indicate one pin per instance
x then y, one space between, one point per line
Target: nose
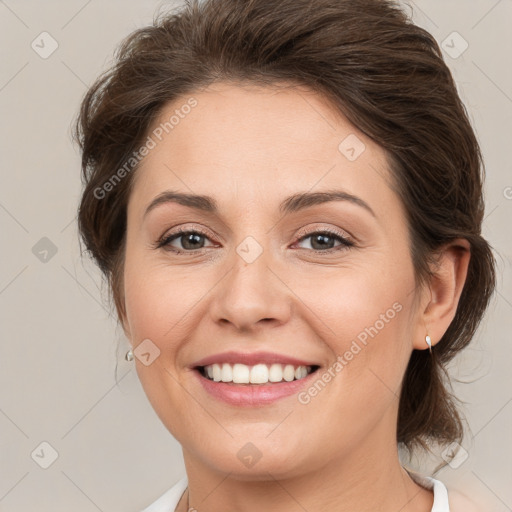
251 295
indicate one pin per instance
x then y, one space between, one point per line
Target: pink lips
250 395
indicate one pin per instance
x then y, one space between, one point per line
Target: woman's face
328 284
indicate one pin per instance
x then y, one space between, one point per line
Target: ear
441 298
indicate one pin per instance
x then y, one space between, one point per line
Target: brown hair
385 74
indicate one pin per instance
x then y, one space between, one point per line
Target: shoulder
461 503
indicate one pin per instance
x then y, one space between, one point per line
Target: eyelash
167 239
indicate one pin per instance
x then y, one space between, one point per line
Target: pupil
189 239
322 239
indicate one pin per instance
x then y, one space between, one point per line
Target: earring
129 355
429 342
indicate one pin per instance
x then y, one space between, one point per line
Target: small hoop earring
429 342
129 355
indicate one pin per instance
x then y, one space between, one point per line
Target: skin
250 148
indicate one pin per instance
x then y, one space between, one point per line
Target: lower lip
252 394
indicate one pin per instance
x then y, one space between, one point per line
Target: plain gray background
58 384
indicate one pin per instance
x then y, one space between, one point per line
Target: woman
286 199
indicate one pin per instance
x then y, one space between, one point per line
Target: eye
322 241
190 240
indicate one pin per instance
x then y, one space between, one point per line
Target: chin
249 461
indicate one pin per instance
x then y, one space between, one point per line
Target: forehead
259 144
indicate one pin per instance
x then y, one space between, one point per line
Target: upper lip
251 359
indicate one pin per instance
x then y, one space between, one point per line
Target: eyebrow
294 203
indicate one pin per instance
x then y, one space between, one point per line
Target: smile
239 373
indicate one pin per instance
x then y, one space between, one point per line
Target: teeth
216 373
257 374
226 374
300 372
275 373
241 374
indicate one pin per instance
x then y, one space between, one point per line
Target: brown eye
324 241
189 241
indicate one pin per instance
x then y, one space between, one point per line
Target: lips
273 379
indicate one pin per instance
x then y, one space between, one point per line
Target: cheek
355 304
158 300
363 316
159 305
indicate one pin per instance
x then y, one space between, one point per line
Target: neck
364 480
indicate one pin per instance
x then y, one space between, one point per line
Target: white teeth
226 374
289 373
216 372
241 374
300 372
257 374
275 373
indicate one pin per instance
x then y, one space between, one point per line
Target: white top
170 499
